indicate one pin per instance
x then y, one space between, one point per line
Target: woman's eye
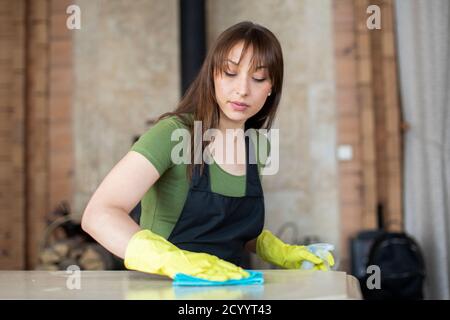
234 74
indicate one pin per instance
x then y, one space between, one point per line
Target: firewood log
91 259
65 263
49 256
61 248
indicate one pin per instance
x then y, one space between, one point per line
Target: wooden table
104 285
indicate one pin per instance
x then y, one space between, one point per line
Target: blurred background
364 119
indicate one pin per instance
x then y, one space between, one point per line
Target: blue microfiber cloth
181 279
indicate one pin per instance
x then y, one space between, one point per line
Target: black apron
217 224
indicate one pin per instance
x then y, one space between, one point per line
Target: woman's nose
242 87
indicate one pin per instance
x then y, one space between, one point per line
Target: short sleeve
156 144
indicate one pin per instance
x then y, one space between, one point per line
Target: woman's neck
225 123
233 142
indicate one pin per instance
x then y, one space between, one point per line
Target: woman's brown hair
200 101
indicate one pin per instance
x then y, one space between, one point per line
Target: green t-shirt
162 204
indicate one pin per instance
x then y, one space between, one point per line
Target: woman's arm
106 217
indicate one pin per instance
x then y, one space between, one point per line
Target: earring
269 93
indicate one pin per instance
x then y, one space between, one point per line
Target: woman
199 218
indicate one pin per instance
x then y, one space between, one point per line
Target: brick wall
36 157
369 120
12 126
61 157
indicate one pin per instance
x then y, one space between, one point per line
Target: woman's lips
238 106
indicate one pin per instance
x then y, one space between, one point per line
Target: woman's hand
271 249
151 253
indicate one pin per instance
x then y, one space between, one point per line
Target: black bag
402 268
360 249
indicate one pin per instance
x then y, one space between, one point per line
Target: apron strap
253 183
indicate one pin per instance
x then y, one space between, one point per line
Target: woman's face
240 91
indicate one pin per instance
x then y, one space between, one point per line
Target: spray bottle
321 250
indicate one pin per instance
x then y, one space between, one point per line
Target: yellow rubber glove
271 249
151 253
